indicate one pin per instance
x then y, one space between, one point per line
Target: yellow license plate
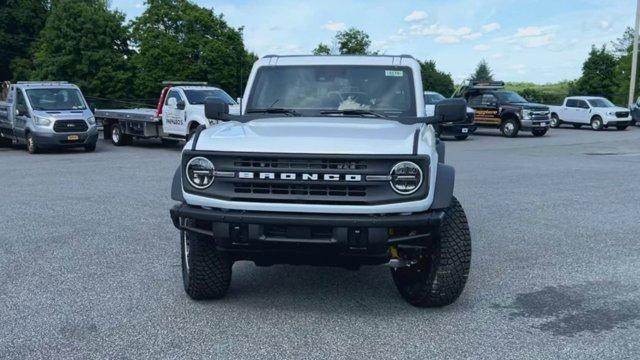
72 137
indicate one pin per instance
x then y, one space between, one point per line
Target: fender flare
445 181
176 186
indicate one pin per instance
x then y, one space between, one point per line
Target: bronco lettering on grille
303 176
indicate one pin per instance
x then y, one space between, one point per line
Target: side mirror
451 111
216 109
181 105
22 112
92 107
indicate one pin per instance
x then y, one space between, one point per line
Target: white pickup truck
179 112
597 112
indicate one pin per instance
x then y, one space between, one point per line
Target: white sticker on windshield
397 73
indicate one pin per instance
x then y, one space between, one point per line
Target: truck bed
141 114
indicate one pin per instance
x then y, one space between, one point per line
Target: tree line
87 43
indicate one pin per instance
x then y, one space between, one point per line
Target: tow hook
396 262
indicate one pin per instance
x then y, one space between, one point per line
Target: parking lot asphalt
90 264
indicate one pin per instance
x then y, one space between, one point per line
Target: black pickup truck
506 110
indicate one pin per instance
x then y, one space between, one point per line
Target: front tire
441 271
555 121
539 132
206 272
32 146
596 123
510 128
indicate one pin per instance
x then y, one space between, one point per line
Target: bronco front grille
306 179
65 126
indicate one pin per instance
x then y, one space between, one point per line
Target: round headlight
406 178
200 172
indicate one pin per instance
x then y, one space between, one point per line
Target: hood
64 114
312 135
531 106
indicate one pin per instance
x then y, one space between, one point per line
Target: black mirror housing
451 111
216 109
181 105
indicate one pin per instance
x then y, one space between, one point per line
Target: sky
534 41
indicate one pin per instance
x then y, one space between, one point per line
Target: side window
21 102
173 94
475 100
571 103
582 104
489 100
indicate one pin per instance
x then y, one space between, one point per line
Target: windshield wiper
354 112
274 111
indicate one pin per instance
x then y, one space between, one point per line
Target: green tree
598 74
353 42
623 49
434 79
20 24
322 49
86 43
482 72
178 40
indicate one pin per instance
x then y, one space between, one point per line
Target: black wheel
622 127
440 273
206 272
596 123
118 138
32 146
462 137
555 121
510 127
169 142
539 132
90 147
577 126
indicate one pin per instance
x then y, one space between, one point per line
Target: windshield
197 97
510 97
386 90
432 98
600 102
56 99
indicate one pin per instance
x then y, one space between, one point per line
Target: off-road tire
118 138
507 131
539 132
577 126
596 123
622 127
555 121
440 274
462 137
32 145
208 273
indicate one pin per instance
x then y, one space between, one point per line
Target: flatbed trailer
139 123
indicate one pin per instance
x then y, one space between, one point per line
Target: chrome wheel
596 124
115 134
555 122
508 128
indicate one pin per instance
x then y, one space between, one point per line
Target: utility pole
634 59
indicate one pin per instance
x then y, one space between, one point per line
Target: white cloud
531 37
533 31
416 16
334 26
447 39
604 25
444 34
482 47
472 36
537 41
491 27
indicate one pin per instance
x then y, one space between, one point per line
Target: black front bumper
61 140
315 239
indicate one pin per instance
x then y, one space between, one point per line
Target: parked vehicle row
179 112
47 115
596 112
